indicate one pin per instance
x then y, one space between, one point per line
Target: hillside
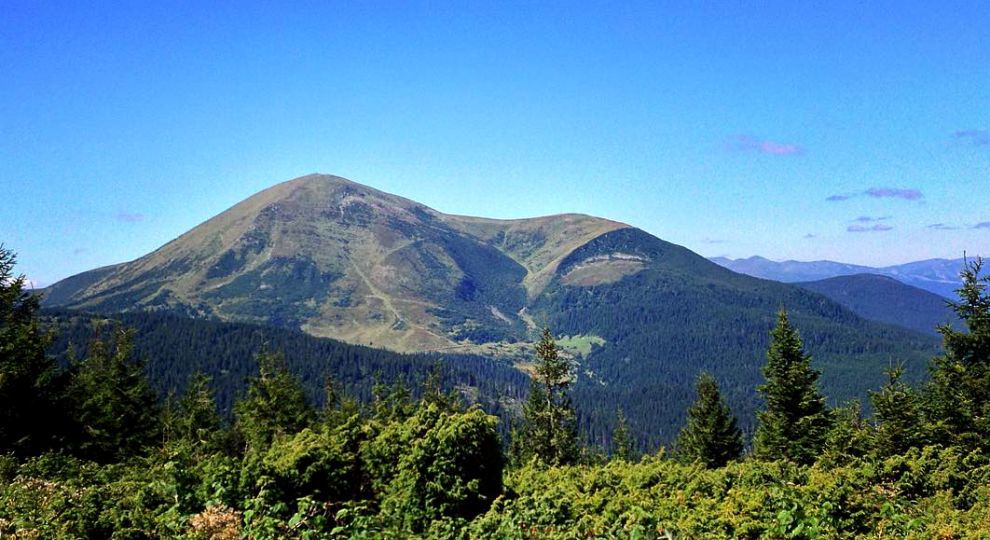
174 348
342 260
680 314
337 259
939 276
884 299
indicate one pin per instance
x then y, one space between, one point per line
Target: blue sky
853 131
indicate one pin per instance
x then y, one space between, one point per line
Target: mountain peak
340 259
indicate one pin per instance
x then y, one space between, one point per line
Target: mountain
642 316
884 299
342 260
790 271
939 276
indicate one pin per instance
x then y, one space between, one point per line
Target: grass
579 344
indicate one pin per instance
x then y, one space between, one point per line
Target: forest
89 449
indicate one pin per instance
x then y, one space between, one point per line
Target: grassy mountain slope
338 259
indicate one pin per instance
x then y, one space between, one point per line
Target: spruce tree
622 444
958 394
27 373
115 411
711 435
195 418
275 404
897 408
550 423
795 422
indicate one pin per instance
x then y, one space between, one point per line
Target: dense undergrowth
301 490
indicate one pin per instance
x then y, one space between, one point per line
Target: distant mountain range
940 276
642 316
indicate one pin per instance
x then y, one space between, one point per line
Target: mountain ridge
939 276
885 299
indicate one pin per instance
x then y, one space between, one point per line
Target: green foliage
579 345
795 422
681 315
116 414
177 348
900 424
884 299
194 419
958 394
849 437
322 464
711 435
392 402
429 468
447 465
549 429
622 444
275 404
658 498
28 390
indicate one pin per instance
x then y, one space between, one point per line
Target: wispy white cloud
894 193
749 143
982 225
877 227
943 227
976 137
907 194
129 217
869 219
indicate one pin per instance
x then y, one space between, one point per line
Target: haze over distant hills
940 276
642 316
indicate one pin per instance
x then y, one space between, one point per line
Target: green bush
437 464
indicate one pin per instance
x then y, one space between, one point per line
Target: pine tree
795 422
275 403
27 374
550 423
622 444
958 394
711 435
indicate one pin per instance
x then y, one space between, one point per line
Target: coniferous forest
93 444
